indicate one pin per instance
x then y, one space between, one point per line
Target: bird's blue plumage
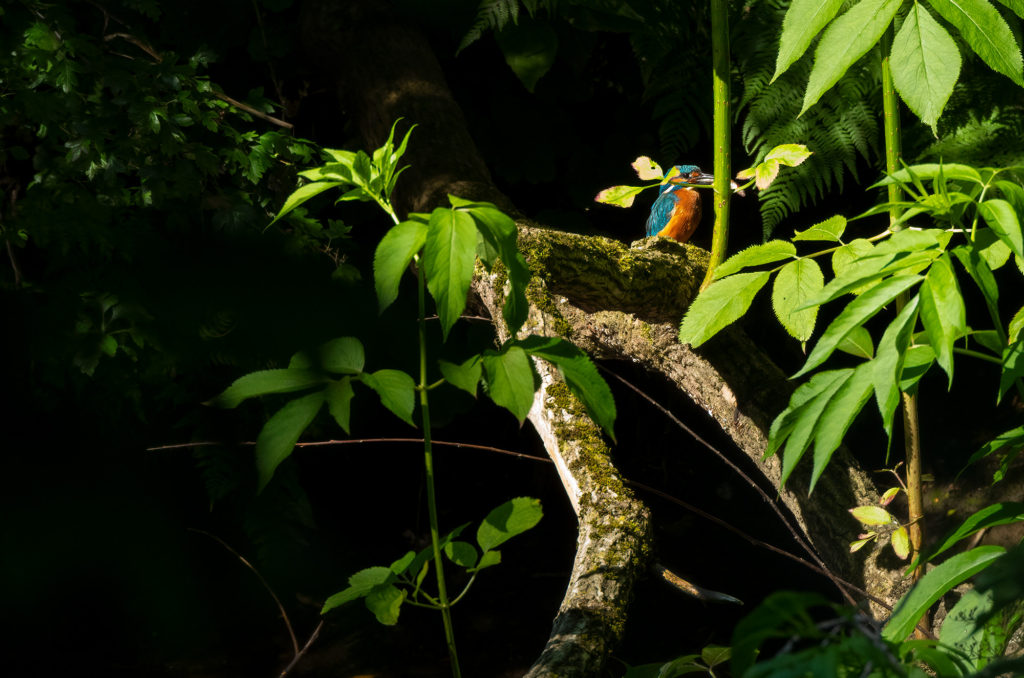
668 203
661 210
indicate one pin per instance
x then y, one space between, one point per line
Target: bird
676 212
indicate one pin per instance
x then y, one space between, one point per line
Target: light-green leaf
933 585
1016 325
942 312
756 255
1002 218
723 302
509 380
620 196
845 41
805 419
888 362
804 19
465 376
279 435
264 382
304 193
838 415
394 252
796 283
461 553
858 342
448 258
987 33
925 65
396 390
385 602
856 313
580 376
831 230
872 515
508 520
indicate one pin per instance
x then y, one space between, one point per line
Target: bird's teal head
689 175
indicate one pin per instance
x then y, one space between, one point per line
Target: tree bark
610 300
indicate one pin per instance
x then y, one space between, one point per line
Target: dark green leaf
396 249
461 553
1013 367
279 435
942 312
990 516
508 520
339 400
465 376
396 390
343 355
1011 442
888 362
448 257
267 381
529 48
509 380
722 303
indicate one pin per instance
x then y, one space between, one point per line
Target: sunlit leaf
267 381
391 259
925 65
396 390
448 257
796 283
509 380
722 303
857 342
465 376
987 33
803 21
942 312
508 520
831 230
900 541
620 196
889 360
647 169
756 255
1002 218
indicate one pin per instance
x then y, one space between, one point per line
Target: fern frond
491 15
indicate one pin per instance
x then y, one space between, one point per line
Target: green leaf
620 196
981 273
797 282
782 615
916 363
461 553
801 421
508 520
831 230
403 563
931 171
488 559
335 171
785 422
856 313
933 585
343 355
942 312
279 435
339 401
993 515
769 252
385 603
713 655
509 380
1013 367
925 65
848 254
723 302
900 541
529 48
1016 325
1002 218
980 643
304 193
396 390
872 515
465 376
837 416
987 33
264 382
804 19
845 41
789 155
888 362
580 376
858 342
448 258
391 260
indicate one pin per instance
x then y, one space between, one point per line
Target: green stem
428 460
978 354
911 425
722 134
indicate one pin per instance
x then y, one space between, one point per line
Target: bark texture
609 299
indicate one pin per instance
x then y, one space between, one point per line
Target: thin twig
249 109
284 615
302 652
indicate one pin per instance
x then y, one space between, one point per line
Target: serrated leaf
845 41
889 360
858 342
304 193
391 259
837 416
933 585
872 515
509 380
783 425
722 303
508 520
925 65
581 376
339 401
264 382
981 273
900 541
986 32
831 230
799 429
1000 216
789 155
396 389
448 257
756 255
278 437
647 169
343 355
942 312
620 196
465 376
856 313
979 642
850 253
803 21
765 174
795 283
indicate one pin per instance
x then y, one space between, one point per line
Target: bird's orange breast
685 217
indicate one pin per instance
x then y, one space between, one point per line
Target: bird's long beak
704 179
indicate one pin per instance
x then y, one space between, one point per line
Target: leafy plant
444 247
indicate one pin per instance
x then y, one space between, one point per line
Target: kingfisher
676 212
